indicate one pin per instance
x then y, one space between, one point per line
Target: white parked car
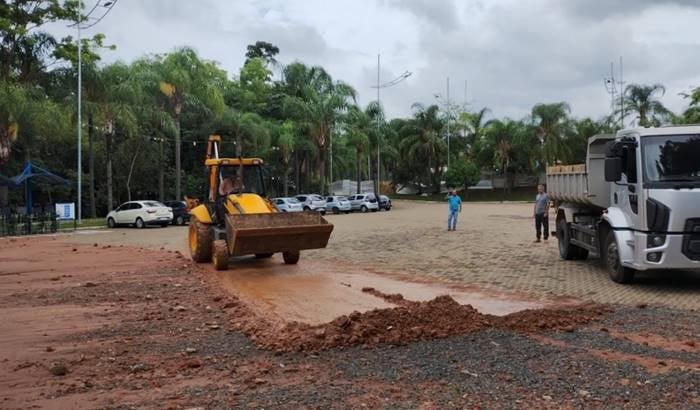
363 202
288 205
312 202
338 204
140 214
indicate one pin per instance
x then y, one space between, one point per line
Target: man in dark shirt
541 213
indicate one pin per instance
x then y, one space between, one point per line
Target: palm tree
285 142
474 124
509 143
358 124
423 142
552 125
643 101
317 104
184 78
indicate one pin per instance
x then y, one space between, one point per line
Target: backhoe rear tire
200 241
291 257
220 254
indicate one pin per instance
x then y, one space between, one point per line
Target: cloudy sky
512 54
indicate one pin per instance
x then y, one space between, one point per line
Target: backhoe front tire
220 254
199 239
291 257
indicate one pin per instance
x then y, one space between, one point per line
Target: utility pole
622 98
379 105
448 122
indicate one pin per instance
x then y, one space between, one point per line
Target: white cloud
513 54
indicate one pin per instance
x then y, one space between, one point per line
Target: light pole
448 112
379 86
78 24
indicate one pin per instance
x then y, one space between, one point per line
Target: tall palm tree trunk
161 172
91 167
109 146
178 138
322 170
358 167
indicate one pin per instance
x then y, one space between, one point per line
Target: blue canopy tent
25 178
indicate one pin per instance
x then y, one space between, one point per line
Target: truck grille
691 239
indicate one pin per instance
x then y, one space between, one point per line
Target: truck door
627 193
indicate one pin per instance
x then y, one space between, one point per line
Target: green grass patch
86 223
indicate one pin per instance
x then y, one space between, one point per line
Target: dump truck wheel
220 254
291 258
618 273
199 241
263 255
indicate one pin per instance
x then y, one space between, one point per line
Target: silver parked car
338 204
312 202
288 205
363 202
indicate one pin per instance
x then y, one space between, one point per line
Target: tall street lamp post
379 86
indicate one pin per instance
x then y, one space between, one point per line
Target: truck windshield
672 159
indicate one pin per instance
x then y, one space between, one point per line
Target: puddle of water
316 292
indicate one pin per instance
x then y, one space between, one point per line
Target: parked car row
143 213
334 203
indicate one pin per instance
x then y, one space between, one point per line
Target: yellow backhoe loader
237 219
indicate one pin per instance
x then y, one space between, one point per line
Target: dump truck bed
276 232
568 183
582 184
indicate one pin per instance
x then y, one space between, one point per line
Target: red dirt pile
410 321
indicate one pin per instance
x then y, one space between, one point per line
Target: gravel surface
167 336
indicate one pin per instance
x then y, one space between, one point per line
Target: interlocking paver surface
492 247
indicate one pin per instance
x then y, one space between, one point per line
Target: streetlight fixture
379 86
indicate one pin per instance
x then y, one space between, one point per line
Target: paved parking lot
492 248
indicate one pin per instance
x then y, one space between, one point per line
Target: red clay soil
410 321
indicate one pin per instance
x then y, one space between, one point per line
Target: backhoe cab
237 219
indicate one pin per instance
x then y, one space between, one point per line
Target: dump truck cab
635 203
237 218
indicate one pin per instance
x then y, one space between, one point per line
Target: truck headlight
654 240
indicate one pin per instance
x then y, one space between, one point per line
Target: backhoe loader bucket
276 232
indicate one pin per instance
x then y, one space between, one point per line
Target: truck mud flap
276 232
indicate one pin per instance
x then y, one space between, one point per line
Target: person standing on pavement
455 207
541 213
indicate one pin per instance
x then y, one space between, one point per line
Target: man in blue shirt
455 205
541 213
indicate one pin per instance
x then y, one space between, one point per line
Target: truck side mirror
613 169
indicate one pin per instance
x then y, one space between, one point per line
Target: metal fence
13 223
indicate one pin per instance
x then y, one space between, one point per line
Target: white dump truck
635 203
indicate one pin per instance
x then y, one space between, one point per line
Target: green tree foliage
146 122
462 174
262 50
